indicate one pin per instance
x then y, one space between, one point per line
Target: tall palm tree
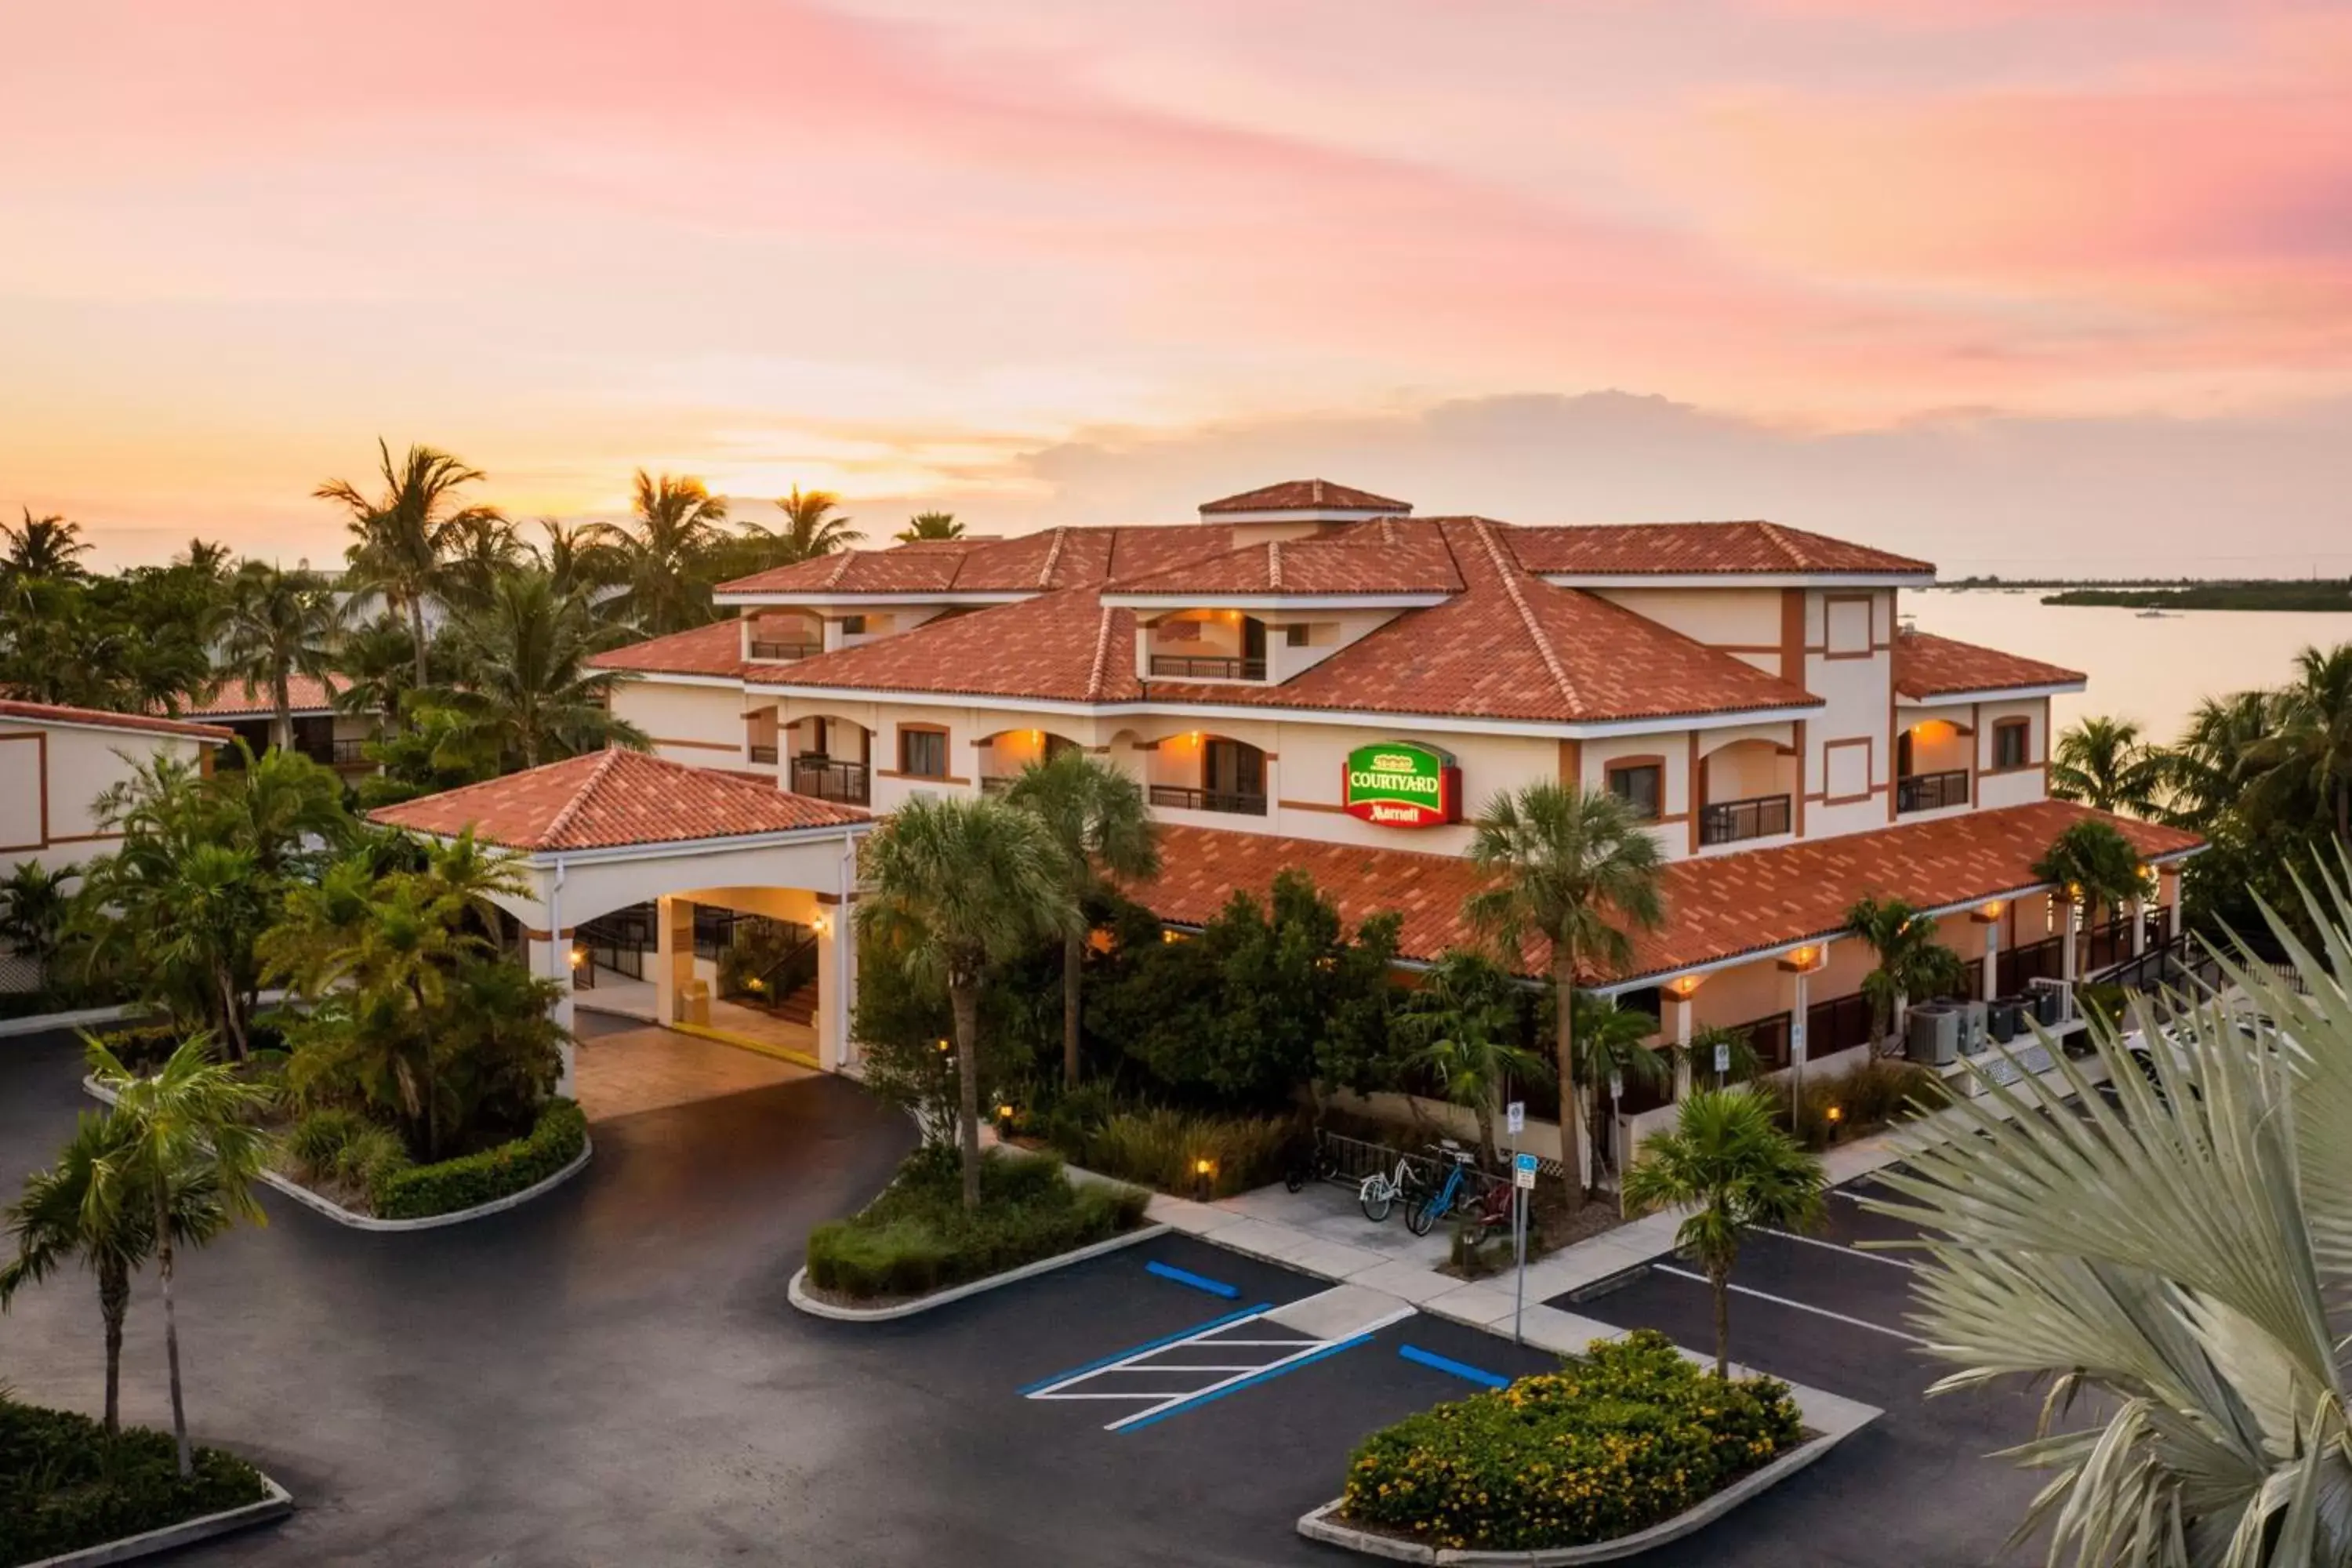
525 685
45 548
2093 867
810 529
34 906
1912 960
1463 1026
279 625
1612 1047
1733 1167
575 556
403 538
661 555
2218 758
190 1129
61 1216
377 662
1097 817
955 889
2175 1264
1575 868
2311 749
2104 763
931 525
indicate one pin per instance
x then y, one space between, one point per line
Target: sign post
1523 1182
1722 1061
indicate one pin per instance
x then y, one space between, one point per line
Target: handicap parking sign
1523 1171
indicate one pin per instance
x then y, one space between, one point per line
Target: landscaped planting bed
65 1486
1623 1439
917 1237
363 1166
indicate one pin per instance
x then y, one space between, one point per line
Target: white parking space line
1800 1306
1837 1246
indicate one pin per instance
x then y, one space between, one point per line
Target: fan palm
660 557
1728 1162
188 1130
2093 867
60 1216
403 538
46 548
931 525
2175 1260
1912 960
279 625
1095 814
2104 763
1574 867
1612 1048
955 889
526 684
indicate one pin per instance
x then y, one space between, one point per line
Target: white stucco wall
702 726
50 778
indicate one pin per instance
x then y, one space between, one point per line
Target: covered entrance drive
761 879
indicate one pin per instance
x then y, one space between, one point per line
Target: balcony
785 649
761 753
1186 799
1729 821
843 783
1931 792
1197 667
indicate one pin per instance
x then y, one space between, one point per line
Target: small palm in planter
1732 1166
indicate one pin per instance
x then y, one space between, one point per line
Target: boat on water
2159 616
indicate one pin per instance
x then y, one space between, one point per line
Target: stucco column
1681 1045
2172 912
549 958
1992 959
837 980
2066 955
2139 926
1797 1052
673 953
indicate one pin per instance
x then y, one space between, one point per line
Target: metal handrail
1931 792
843 782
1190 799
1201 667
764 649
1729 821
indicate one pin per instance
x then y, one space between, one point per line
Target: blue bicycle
1422 1217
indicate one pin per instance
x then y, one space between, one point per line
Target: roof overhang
1990 694
202 733
868 601
1177 599
669 848
1739 578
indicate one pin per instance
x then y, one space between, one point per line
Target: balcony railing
348 751
1208 800
843 783
1729 821
761 753
1931 792
1195 666
761 649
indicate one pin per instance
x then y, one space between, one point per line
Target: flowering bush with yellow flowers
1632 1435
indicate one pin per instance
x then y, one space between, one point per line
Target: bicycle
1312 1163
1381 1189
1491 1212
1422 1217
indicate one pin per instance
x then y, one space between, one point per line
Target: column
673 955
1992 959
1797 1050
1683 1064
2172 913
2065 923
836 979
2139 926
551 958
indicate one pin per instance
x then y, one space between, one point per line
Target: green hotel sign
1398 784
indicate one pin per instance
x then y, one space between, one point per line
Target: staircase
799 1006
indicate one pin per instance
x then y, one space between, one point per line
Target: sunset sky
2064 283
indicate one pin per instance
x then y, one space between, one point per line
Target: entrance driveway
622 1067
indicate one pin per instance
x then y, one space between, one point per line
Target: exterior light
944 1046
578 956
755 984
1683 986
1835 1114
1205 1167
820 925
1992 910
1004 1112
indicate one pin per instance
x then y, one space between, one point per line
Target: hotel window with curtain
1641 786
2012 742
923 753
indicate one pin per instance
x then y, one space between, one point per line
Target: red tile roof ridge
1509 574
841 569
1046 573
1102 651
1781 543
1274 563
562 819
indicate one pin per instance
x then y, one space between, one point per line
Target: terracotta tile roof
1930 666
1665 549
1355 563
232 699
1716 908
100 719
1305 495
1066 646
608 799
1028 563
714 649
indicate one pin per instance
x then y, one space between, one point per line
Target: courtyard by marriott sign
1398 784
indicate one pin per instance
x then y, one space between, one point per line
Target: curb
797 1291
347 1218
275 1504
1322 1523
41 1022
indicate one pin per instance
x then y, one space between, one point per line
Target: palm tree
2104 763
955 889
34 906
1730 1165
2093 867
2311 749
525 684
575 556
403 538
1575 867
279 625
1097 817
931 525
1612 1047
62 1216
661 557
1912 961
187 1131
810 529
2210 772
1742 1063
2174 1263
45 548
1463 1026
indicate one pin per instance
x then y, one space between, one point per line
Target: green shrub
315 1141
63 1487
917 1237
372 1157
142 1047
1878 1091
1163 1148
1630 1437
420 1192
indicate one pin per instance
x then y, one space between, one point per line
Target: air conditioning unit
1935 1034
2009 1018
1976 1027
2049 1000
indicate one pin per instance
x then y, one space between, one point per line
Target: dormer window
1208 645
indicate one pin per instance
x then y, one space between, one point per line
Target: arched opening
1747 790
829 758
1005 755
1931 765
1200 772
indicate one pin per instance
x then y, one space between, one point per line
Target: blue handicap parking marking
1198 1281
1463 1370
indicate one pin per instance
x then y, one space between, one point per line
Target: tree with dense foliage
1727 1162
2093 867
2105 764
1097 817
1912 961
63 1216
525 687
811 528
931 525
1612 1047
1572 868
46 548
405 537
280 625
955 889
376 663
134 641
661 557
2311 749
184 1137
34 904
1463 1026
2173 1262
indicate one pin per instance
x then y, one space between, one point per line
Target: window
853 625
2012 742
1294 635
923 753
1641 786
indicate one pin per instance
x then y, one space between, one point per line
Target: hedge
420 1192
63 1486
1624 1439
916 1236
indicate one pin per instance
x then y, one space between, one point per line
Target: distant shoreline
2323 594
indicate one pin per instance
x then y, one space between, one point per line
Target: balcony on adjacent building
1931 792
1731 821
843 782
762 647
762 753
1184 798
1201 667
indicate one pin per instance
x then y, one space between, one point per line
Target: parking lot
1914 1487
